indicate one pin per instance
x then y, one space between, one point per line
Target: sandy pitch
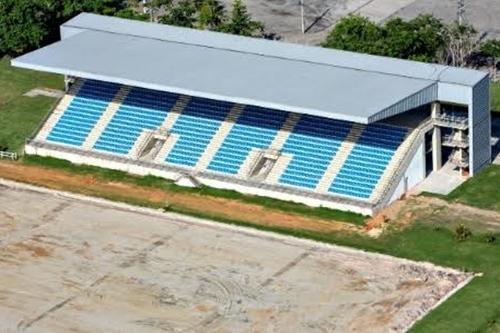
70 265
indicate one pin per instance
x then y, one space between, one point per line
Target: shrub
462 233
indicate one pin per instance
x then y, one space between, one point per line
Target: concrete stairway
285 131
106 117
395 163
175 112
59 110
340 157
219 137
167 124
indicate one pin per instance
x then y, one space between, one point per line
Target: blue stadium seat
83 113
313 143
256 127
142 109
196 126
368 160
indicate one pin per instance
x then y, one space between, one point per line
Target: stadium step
285 131
59 110
340 157
248 163
393 166
176 111
278 168
106 117
219 137
167 147
167 124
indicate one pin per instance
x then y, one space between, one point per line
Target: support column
436 139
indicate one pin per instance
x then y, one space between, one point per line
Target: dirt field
71 265
233 209
282 17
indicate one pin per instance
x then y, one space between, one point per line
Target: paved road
70 265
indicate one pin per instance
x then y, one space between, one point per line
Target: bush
462 233
490 238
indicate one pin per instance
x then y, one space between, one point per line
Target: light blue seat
256 127
195 127
312 144
83 112
368 160
141 110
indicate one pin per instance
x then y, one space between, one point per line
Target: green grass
495 96
20 115
169 186
481 191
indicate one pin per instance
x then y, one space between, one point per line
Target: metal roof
324 82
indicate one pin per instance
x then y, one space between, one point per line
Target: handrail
393 182
8 155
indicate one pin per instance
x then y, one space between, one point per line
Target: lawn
481 191
495 97
20 115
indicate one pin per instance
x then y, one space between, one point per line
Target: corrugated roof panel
246 78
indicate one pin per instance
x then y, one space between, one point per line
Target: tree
241 23
132 14
23 25
356 33
154 6
211 15
460 41
418 39
491 49
181 14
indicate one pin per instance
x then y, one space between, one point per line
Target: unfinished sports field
84 265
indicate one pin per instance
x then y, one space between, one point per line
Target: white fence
8 155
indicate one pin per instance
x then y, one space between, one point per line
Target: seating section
142 109
368 160
312 144
196 126
83 113
256 127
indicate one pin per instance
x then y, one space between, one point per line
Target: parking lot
72 265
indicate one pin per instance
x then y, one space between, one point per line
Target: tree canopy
417 39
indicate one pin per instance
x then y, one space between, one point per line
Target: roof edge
258 46
290 108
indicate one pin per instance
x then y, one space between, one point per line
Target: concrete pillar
67 83
436 139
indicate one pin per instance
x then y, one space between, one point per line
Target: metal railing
8 155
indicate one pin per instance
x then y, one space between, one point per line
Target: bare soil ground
69 265
440 212
231 209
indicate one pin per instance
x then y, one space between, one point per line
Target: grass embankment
107 175
495 96
20 115
475 308
482 191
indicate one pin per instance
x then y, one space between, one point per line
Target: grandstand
322 127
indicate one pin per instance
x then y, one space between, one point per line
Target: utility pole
302 16
460 11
